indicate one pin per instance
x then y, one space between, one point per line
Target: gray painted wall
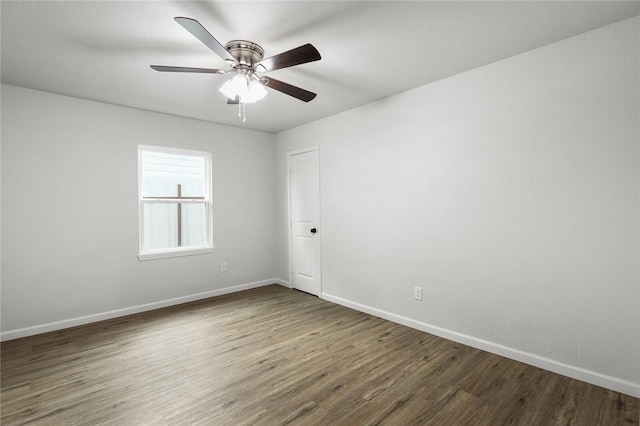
70 212
510 193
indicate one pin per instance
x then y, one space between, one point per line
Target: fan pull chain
242 112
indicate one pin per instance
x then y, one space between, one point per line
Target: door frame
318 237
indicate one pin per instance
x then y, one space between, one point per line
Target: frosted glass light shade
255 93
237 86
245 88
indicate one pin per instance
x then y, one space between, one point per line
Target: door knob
314 230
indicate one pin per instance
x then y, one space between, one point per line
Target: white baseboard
282 282
598 379
72 322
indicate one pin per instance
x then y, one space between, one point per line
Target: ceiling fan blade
199 32
288 89
297 56
163 68
235 101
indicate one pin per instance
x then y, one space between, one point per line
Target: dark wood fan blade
199 32
235 101
297 56
288 89
163 68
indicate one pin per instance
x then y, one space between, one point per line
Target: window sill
153 255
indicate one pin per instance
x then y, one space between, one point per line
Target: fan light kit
246 60
246 87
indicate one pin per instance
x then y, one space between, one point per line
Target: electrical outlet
223 267
417 293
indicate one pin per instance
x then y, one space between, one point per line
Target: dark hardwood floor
273 356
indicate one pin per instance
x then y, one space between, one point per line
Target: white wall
70 213
510 193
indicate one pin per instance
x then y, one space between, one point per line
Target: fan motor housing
245 52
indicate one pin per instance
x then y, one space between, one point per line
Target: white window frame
208 247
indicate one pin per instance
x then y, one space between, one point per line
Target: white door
304 229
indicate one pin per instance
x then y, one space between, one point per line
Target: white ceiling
370 50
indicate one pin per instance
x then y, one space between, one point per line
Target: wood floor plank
274 356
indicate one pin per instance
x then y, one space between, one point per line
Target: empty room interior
320 213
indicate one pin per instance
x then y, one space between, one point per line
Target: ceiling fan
247 60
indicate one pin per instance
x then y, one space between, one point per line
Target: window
174 188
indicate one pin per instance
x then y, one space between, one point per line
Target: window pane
160 226
163 172
193 225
